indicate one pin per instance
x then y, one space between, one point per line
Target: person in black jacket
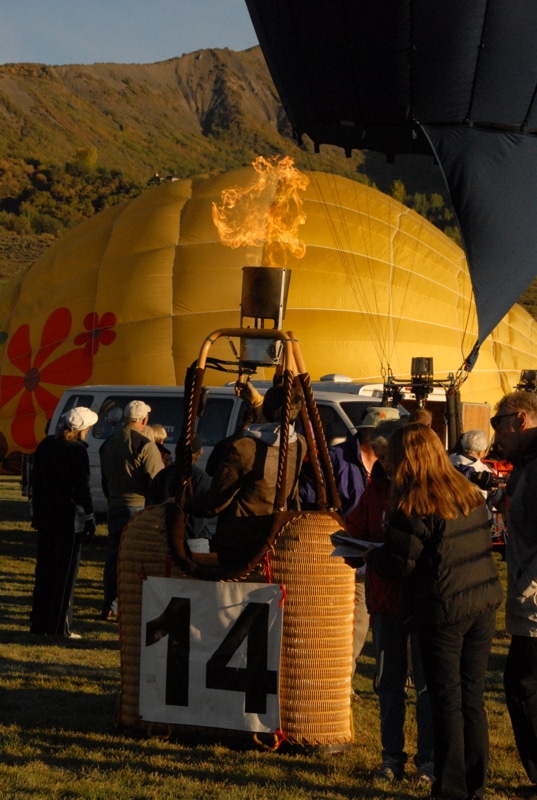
62 513
438 540
164 486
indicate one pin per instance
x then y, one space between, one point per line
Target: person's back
129 460
243 489
60 480
256 457
62 513
438 541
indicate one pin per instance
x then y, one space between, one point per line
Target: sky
122 31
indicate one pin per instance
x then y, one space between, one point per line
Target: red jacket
368 521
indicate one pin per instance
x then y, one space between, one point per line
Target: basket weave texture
316 657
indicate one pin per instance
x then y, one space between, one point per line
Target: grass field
57 702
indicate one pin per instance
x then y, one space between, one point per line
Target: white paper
186 625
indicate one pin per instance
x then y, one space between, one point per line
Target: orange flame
266 213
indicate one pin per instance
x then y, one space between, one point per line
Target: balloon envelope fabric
455 80
129 296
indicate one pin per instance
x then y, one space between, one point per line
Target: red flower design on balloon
97 332
69 369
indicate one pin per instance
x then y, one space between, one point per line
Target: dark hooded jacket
243 489
60 482
448 571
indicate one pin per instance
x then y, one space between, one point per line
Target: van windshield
168 412
356 409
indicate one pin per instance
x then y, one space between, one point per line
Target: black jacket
447 565
59 482
164 485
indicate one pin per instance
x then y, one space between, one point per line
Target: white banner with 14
210 654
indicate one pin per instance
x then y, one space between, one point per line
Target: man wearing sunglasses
515 427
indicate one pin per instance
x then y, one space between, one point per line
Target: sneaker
108 615
426 774
390 771
72 636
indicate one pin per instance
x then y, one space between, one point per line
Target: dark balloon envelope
455 78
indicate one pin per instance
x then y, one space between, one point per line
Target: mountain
204 112
213 109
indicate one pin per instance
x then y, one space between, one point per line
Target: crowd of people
426 583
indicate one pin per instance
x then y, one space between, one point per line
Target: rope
280 499
318 431
312 454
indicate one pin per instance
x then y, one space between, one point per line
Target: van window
167 411
356 410
73 401
335 430
214 424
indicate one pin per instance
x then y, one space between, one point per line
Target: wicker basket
316 658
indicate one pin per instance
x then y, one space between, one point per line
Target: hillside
209 110
204 112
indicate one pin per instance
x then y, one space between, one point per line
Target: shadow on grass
58 701
41 707
216 763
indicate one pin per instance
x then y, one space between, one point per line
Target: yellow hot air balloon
129 296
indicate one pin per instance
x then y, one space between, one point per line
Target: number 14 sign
210 654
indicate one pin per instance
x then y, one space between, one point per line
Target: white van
223 411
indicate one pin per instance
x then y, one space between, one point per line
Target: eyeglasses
496 421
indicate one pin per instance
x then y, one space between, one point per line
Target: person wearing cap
129 462
62 513
352 462
353 459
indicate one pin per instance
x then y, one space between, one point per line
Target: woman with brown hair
438 540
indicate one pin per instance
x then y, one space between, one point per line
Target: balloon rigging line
385 326
348 260
379 323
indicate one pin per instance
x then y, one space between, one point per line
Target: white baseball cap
136 410
377 414
80 418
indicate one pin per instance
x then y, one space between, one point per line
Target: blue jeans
118 517
391 639
360 624
520 682
455 662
